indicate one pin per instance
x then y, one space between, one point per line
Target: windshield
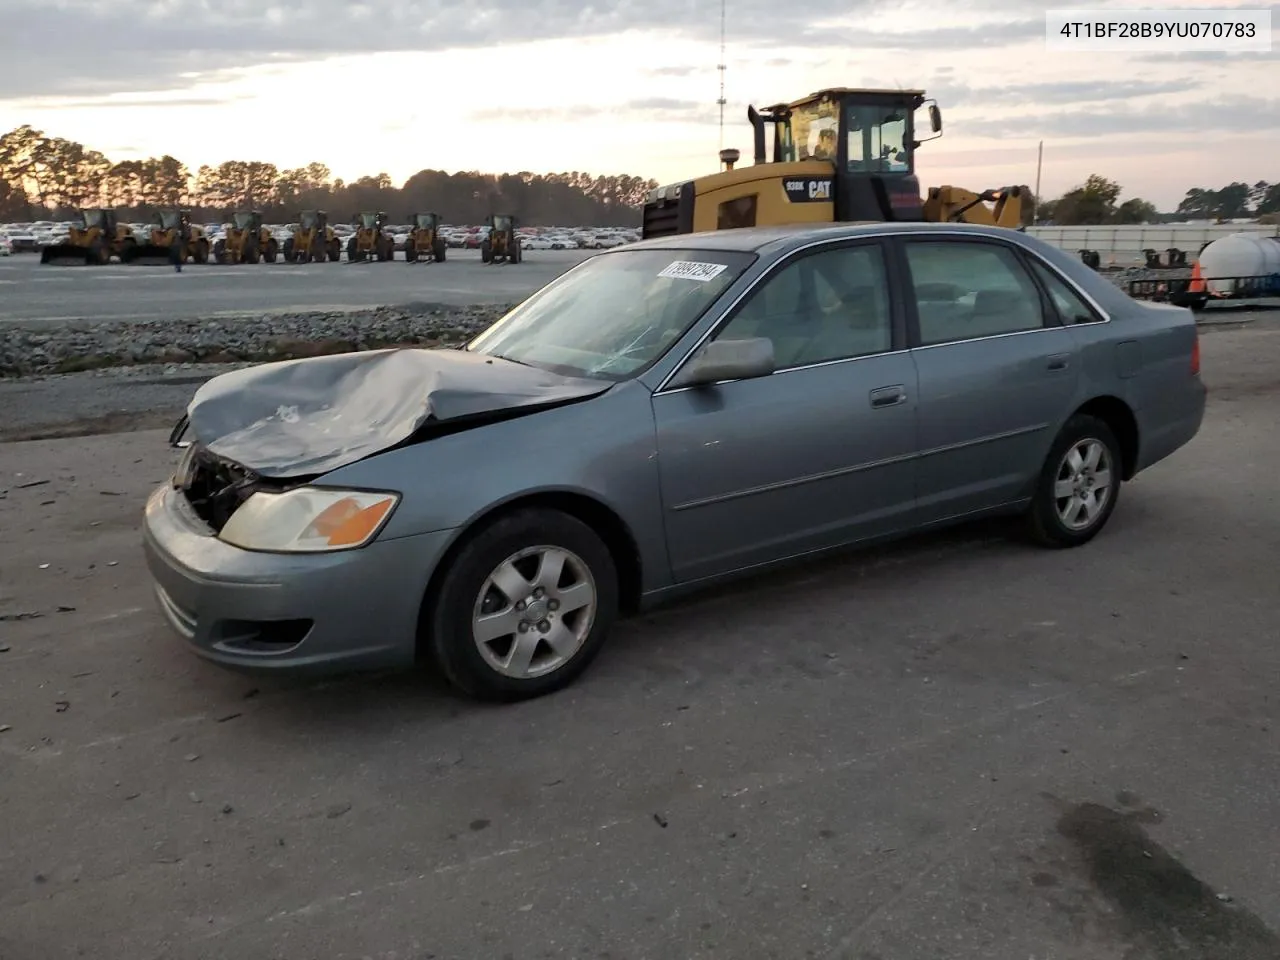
308 219
170 219
243 221
614 315
877 139
813 132
92 218
368 220
424 221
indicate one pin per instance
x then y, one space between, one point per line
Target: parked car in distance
661 417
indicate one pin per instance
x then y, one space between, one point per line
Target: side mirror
727 360
935 118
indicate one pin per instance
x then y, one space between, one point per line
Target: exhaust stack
757 125
729 157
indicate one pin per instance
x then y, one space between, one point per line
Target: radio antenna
721 66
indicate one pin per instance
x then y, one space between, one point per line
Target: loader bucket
67 255
148 255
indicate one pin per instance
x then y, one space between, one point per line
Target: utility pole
722 66
1035 200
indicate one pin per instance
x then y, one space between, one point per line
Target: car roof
781 239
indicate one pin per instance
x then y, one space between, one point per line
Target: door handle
888 396
1059 361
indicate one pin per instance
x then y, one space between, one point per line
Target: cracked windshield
748 484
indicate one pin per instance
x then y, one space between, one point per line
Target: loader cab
426 221
372 221
869 138
169 219
244 220
102 219
311 220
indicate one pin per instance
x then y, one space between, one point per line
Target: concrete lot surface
31 291
959 748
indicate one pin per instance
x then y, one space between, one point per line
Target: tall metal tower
721 66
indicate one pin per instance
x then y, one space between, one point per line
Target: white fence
1123 245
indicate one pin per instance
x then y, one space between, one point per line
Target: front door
997 373
818 454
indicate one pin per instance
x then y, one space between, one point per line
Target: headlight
308 520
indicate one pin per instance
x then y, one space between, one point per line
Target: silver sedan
661 417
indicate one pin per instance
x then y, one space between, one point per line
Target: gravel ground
38 348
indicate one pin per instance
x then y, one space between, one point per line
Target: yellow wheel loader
371 241
425 242
97 238
839 155
502 245
246 240
313 240
171 227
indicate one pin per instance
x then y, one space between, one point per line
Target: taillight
1195 356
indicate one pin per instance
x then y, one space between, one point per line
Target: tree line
1097 201
44 177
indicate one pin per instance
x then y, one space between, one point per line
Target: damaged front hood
306 417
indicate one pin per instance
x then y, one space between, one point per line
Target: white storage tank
1240 255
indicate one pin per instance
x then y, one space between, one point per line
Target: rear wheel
220 251
439 250
202 251
410 251
1078 486
271 251
525 606
486 252
288 250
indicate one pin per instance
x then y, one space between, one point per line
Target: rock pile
84 345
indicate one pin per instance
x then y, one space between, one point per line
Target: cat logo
817 190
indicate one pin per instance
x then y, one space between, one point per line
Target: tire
449 623
272 251
288 250
220 251
410 251
486 252
438 252
1045 522
202 251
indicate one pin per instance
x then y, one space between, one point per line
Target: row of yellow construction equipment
839 155
100 236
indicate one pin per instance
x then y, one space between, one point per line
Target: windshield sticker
692 270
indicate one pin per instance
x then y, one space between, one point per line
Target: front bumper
356 609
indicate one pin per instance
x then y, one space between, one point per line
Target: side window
1071 308
832 305
968 290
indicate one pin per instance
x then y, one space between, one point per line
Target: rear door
817 454
997 369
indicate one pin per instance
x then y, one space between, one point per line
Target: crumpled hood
305 417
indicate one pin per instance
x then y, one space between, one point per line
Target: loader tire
220 251
410 252
202 251
288 250
486 252
438 251
272 251
335 250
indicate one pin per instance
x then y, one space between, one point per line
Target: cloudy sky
621 86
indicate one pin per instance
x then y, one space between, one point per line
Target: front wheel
1078 486
524 608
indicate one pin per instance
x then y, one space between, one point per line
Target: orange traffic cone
1197 281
